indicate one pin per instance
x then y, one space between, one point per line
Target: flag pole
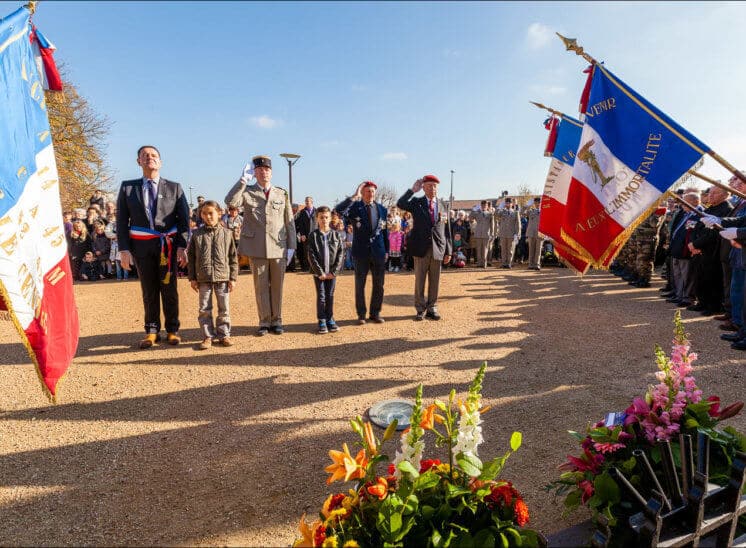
691 208
717 183
571 44
539 105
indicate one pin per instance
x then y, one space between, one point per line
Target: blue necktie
151 201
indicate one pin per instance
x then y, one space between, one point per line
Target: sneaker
205 344
433 314
377 319
263 330
361 321
322 327
419 316
277 329
332 326
396 269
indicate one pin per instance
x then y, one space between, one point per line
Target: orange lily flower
370 439
430 417
344 466
308 533
379 489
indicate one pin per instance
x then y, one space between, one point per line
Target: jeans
325 298
222 326
122 274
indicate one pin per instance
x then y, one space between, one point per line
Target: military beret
508 200
430 179
262 161
369 183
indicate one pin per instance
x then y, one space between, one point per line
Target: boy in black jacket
325 251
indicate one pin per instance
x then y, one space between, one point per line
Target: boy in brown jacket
213 268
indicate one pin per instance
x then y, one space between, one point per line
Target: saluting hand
248 172
358 192
417 186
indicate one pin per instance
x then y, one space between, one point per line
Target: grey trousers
426 268
482 245
534 251
507 247
222 326
683 281
268 277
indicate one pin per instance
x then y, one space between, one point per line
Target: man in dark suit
429 243
370 246
152 230
305 223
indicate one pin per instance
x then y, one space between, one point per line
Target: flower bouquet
423 502
673 406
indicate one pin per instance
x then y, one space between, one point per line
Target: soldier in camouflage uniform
624 264
646 244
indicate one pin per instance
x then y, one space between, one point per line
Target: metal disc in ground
384 412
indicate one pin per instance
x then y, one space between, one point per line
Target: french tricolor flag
630 153
564 136
35 281
44 55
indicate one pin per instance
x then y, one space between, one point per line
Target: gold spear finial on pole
571 44
539 105
31 6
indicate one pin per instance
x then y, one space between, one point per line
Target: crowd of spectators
93 230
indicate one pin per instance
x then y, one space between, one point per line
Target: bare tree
387 195
525 194
79 135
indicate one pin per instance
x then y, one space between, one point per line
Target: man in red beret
429 243
370 246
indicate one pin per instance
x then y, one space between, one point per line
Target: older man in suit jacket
370 246
152 231
429 243
267 238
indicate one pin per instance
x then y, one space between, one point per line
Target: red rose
426 464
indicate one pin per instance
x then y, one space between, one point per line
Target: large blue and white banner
35 280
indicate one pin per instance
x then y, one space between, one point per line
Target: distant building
466 205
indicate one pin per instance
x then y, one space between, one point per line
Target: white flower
469 432
410 451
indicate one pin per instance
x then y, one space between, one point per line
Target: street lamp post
450 207
291 159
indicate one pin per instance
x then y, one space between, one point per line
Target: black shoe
277 329
633 281
706 312
643 283
377 319
433 314
419 316
732 337
684 304
673 299
739 345
361 321
666 288
667 295
262 331
695 307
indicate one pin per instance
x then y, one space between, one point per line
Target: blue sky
384 91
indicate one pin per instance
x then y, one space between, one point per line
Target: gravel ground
227 446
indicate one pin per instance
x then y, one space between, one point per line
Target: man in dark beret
370 246
267 238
